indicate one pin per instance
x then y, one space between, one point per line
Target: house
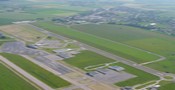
32 46
154 87
2 35
116 68
61 50
65 55
126 88
91 74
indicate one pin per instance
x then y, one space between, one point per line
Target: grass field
9 80
117 33
147 40
23 32
166 85
141 78
19 12
136 55
87 58
38 72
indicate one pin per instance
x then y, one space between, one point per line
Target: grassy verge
87 58
38 72
166 85
9 81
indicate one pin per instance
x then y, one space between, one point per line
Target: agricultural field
23 32
26 10
87 58
47 77
147 40
141 78
134 54
9 80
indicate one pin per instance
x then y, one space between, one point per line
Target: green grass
141 78
38 72
163 47
140 38
9 80
107 45
87 58
166 85
168 77
117 33
5 21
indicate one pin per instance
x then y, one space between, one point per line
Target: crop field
23 32
147 40
87 58
142 76
134 54
9 80
38 72
41 10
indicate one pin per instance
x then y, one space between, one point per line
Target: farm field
27 10
9 17
150 41
87 58
9 80
23 32
136 55
142 76
38 72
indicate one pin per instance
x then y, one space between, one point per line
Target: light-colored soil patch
102 87
23 32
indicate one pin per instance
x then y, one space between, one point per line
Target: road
25 74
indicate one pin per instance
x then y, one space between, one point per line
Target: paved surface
53 64
27 75
112 76
41 56
20 48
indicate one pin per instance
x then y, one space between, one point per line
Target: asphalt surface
20 48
